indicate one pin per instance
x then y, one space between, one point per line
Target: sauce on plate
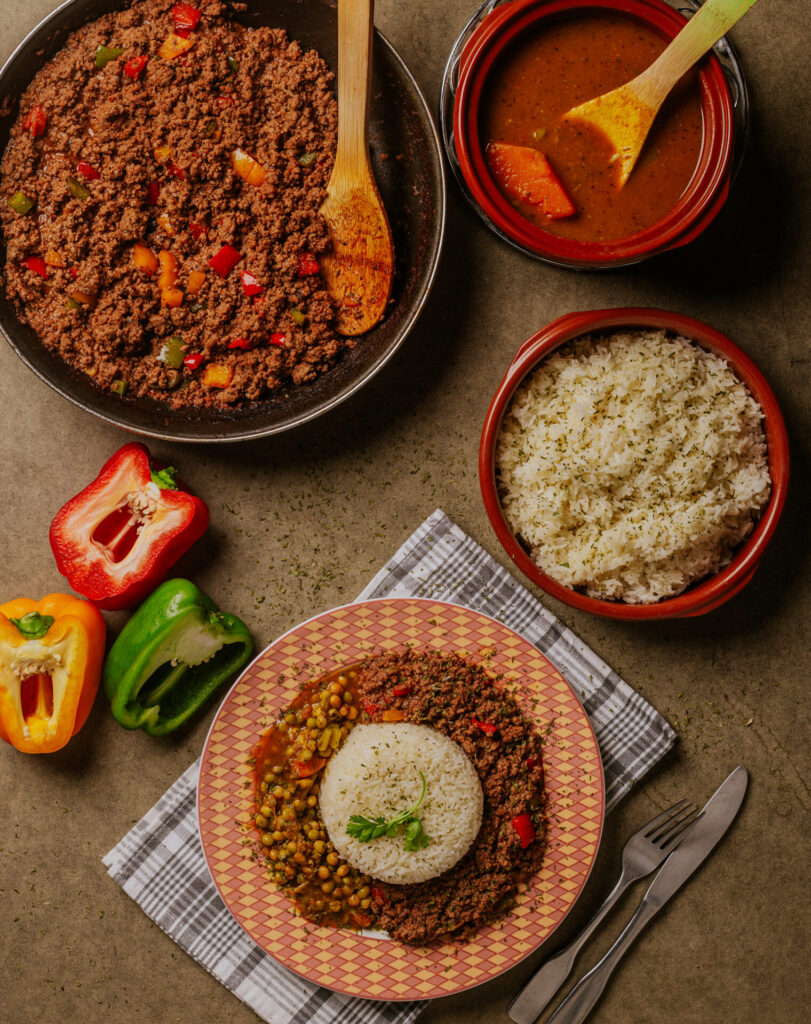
571 60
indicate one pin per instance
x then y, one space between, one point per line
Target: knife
698 842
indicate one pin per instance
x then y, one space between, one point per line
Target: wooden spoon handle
355 27
701 32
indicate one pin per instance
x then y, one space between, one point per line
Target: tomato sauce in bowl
564 62
521 66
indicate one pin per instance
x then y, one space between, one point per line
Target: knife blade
699 841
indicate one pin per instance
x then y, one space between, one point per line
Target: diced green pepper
174 380
210 128
233 64
119 387
298 316
77 189
172 353
73 304
171 656
105 54
20 203
307 159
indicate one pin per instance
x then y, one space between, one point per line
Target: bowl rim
214 433
707 594
697 207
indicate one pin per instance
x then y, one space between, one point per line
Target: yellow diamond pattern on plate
379 968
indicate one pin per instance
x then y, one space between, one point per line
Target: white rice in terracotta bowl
632 465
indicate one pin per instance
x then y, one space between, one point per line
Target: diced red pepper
153 193
525 829
278 340
176 172
74 273
193 360
225 101
403 689
307 265
118 538
250 284
36 265
224 261
486 727
369 708
259 304
35 120
197 230
533 761
87 171
377 894
135 66
303 769
241 343
185 16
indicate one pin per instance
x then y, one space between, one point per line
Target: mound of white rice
376 772
632 465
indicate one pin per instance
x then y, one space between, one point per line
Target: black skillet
413 190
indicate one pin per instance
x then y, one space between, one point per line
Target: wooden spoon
359 269
626 114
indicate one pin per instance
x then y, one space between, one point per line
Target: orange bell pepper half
51 655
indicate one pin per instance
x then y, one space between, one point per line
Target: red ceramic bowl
701 200
708 594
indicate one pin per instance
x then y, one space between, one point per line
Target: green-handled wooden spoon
626 114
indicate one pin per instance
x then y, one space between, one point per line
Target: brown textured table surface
302 521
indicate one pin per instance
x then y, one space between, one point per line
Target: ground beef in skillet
447 692
252 89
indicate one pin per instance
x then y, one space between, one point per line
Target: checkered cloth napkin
160 863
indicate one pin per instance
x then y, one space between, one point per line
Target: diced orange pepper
144 259
166 225
218 375
162 154
172 297
173 45
50 668
54 258
248 168
196 280
392 715
169 268
85 298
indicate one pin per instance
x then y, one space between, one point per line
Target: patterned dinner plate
364 965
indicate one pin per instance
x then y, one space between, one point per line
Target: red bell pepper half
117 539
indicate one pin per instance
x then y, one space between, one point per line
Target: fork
643 853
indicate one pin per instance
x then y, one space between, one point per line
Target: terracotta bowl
707 594
478 52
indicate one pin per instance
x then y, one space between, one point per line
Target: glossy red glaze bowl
707 594
698 205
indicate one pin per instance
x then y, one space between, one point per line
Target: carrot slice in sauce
523 173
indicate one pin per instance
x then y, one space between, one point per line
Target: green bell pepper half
171 656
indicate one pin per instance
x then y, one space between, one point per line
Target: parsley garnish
365 829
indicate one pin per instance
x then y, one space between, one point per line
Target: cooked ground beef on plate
459 698
141 151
